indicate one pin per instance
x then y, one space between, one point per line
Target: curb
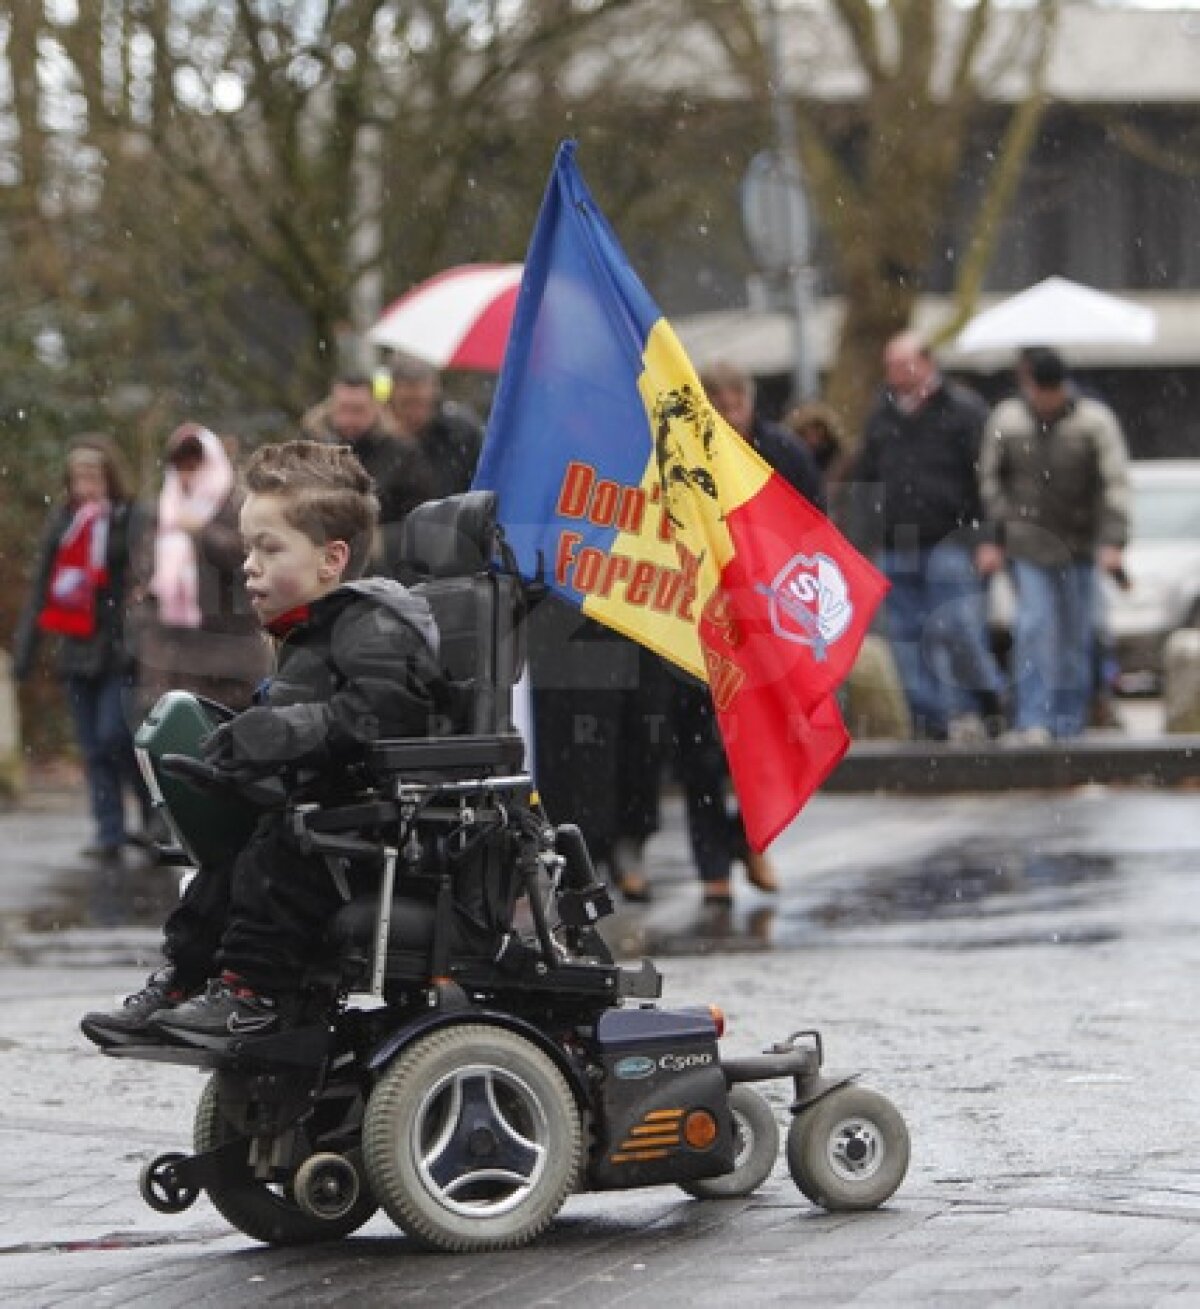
921 768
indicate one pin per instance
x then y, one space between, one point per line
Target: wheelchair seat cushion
410 929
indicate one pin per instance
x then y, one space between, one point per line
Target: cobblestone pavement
1015 972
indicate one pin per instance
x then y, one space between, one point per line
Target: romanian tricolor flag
622 487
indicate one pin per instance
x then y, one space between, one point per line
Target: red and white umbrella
458 319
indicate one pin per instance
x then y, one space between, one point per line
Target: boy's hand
254 742
217 750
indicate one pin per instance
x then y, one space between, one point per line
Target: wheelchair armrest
448 755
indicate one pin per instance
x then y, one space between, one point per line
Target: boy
355 663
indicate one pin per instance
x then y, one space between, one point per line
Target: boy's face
283 567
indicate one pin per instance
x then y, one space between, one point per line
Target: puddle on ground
977 884
970 881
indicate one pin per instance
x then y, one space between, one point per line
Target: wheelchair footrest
297 1047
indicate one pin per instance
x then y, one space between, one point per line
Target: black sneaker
228 1008
130 1024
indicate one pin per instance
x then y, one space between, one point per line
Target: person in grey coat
1054 478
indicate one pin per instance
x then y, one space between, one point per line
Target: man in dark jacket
356 663
395 460
447 435
916 504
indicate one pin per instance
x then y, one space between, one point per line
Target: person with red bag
78 595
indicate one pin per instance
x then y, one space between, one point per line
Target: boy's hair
328 494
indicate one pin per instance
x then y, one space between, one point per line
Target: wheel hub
856 1149
480 1140
482 1143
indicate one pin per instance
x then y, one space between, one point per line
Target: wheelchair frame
499 1069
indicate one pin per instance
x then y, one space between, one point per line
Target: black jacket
402 480
450 445
360 666
916 477
791 458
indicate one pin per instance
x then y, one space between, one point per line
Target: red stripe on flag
781 634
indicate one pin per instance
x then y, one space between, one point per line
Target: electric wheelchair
470 1053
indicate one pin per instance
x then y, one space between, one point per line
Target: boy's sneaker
130 1024
228 1008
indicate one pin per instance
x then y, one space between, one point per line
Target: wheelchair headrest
454 537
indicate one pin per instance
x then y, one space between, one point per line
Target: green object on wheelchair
211 827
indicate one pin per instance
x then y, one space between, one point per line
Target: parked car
1162 564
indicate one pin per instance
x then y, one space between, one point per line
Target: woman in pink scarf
198 632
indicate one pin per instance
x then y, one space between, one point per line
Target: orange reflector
700 1129
718 1017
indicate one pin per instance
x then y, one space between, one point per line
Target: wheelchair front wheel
848 1151
472 1139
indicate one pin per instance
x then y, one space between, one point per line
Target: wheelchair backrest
447 549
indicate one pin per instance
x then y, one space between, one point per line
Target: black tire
756 1135
849 1151
493 1182
264 1211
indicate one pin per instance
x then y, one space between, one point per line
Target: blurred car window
1163 565
1163 512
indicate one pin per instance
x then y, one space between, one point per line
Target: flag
620 484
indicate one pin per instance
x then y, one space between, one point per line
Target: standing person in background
599 717
1055 477
816 424
352 416
197 631
448 436
916 505
80 589
717 836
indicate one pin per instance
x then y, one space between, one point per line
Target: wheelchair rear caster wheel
849 1150
266 1211
756 1147
326 1186
163 1189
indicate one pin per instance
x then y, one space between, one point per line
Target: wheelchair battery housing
664 1104
211 828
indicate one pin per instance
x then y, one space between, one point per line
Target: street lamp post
796 273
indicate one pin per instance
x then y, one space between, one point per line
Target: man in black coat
395 459
917 506
447 435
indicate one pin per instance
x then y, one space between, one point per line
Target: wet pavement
1016 972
